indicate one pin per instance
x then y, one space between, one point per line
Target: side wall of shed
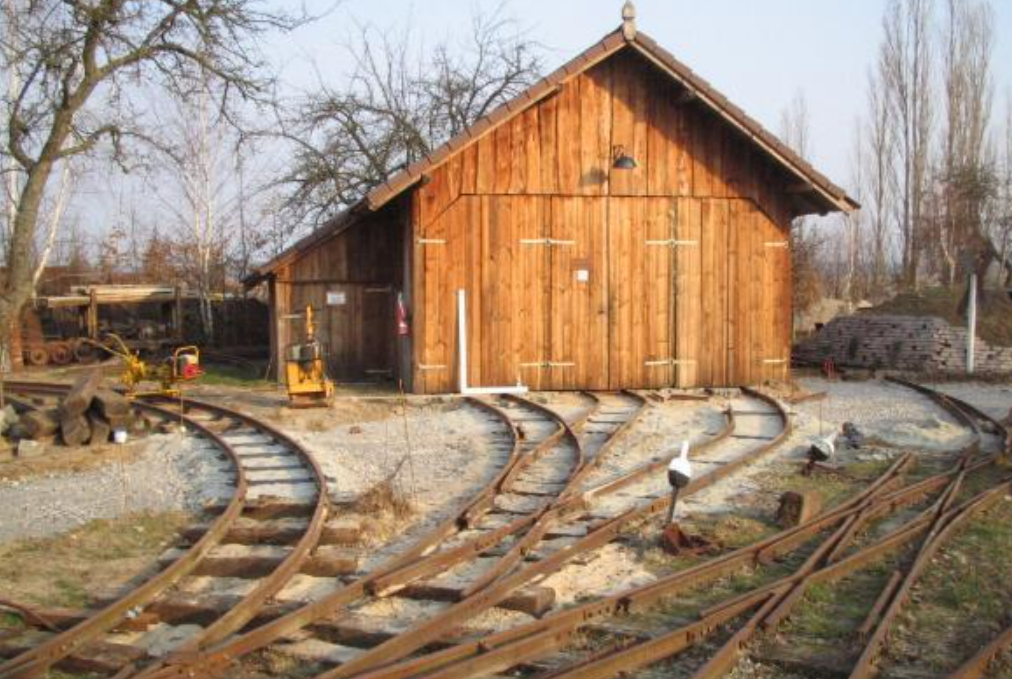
351 281
581 276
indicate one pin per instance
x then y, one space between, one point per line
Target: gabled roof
826 194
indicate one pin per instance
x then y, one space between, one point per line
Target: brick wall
920 343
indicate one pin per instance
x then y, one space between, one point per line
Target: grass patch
964 598
833 611
228 375
66 569
834 489
11 621
63 460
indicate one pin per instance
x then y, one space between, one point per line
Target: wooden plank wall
581 276
363 269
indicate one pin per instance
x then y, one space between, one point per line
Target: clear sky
760 53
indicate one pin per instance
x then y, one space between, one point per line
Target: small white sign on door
582 275
336 298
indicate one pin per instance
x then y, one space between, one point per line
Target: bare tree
197 190
70 67
879 175
807 286
905 69
68 176
396 106
1000 232
966 180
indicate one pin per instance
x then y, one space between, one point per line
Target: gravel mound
176 472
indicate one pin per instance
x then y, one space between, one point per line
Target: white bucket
119 436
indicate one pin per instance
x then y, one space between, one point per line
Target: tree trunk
17 285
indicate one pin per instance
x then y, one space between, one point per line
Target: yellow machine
305 370
182 366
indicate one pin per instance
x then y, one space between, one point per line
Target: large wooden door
435 310
688 284
578 313
776 304
514 291
641 252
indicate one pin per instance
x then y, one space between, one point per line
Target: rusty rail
397 647
501 651
267 587
976 667
410 565
37 661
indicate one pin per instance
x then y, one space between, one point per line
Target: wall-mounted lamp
623 161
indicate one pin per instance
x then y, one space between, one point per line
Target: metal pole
971 324
671 507
462 340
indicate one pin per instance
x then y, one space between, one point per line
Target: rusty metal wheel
36 356
86 352
60 353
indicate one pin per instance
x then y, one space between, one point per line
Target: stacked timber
88 414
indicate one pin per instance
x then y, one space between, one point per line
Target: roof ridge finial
629 21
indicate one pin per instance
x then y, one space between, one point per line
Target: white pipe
971 325
462 340
462 357
485 391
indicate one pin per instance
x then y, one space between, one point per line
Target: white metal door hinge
777 244
431 241
670 362
673 243
546 241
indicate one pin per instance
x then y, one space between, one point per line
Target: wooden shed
619 225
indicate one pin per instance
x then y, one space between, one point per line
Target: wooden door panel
435 307
641 234
776 276
578 315
377 331
688 294
712 364
514 295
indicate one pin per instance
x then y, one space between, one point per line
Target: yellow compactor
306 372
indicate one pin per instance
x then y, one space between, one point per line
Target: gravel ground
993 399
448 451
895 415
175 472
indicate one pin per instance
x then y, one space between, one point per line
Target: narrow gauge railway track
580 445
330 619
597 515
549 459
456 539
551 647
268 465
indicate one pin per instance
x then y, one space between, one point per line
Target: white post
971 324
462 340
462 357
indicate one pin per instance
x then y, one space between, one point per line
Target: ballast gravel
176 472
